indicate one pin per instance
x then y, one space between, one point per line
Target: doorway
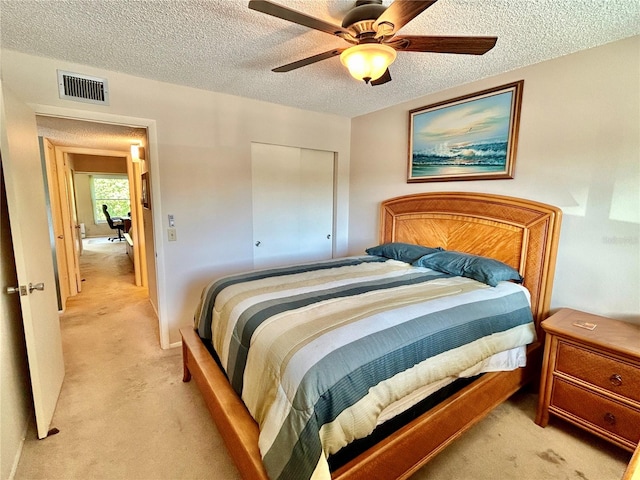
80 151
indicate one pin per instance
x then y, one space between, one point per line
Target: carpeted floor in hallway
124 412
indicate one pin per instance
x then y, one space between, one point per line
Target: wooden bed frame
521 233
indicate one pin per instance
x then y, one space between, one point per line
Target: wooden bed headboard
521 233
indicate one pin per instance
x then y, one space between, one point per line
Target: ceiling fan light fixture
368 61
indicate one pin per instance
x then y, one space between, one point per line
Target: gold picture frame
472 137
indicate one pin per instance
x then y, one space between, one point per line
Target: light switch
172 222
172 234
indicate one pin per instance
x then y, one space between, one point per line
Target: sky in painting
479 120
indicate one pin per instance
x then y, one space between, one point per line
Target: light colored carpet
124 412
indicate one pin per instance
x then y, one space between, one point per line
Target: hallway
123 411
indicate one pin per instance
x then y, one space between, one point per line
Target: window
112 191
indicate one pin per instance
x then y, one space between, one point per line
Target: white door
75 231
56 221
34 264
316 214
73 240
292 204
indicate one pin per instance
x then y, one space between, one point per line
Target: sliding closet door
316 199
292 204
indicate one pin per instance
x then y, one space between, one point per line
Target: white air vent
83 88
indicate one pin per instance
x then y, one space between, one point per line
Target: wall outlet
171 233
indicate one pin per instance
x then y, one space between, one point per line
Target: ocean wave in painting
482 154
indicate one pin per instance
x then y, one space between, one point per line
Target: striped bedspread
317 351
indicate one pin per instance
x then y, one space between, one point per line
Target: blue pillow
405 252
482 269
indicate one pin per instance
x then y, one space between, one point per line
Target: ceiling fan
372 30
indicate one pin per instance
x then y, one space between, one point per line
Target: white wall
579 149
200 167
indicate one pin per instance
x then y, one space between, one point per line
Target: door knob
21 289
37 286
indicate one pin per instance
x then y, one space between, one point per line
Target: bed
519 233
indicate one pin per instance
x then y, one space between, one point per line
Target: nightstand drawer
606 414
605 372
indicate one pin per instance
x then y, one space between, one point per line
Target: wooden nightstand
591 377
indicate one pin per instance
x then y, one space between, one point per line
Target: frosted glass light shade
368 61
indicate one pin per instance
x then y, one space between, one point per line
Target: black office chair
116 223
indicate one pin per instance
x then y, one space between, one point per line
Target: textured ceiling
76 133
221 45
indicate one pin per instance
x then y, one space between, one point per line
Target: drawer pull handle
610 418
616 379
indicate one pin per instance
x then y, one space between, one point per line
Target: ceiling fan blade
294 16
309 60
462 45
399 13
386 77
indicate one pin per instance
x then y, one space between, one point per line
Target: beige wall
200 163
579 149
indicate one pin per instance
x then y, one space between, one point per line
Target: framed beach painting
473 137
